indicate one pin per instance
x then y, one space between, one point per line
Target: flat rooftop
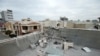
75 51
20 46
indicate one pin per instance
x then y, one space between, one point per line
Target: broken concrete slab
86 49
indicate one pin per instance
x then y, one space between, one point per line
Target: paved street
2 36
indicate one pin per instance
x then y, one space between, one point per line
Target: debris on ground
32 46
86 49
67 45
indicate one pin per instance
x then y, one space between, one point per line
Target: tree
12 35
95 21
64 18
8 32
88 20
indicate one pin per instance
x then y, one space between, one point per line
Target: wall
79 25
89 26
90 38
11 47
70 25
53 23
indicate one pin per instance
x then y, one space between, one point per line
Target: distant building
95 21
23 27
67 24
64 20
80 25
0 16
54 23
9 26
51 23
1 22
70 24
7 15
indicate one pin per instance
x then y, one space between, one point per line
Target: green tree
8 32
12 35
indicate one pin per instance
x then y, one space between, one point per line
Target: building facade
7 15
54 23
1 22
67 24
23 27
83 25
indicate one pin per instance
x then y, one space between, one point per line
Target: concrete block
32 46
86 49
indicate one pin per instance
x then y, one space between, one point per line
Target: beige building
23 27
84 25
70 24
80 25
67 24
8 26
54 23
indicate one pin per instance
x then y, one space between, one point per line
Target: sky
53 9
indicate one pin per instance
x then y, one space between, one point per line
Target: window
35 27
25 27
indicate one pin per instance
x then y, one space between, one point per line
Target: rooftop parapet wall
11 47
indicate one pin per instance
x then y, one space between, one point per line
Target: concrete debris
66 45
57 42
42 42
40 53
86 49
32 46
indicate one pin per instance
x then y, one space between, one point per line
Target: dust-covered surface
20 46
76 51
